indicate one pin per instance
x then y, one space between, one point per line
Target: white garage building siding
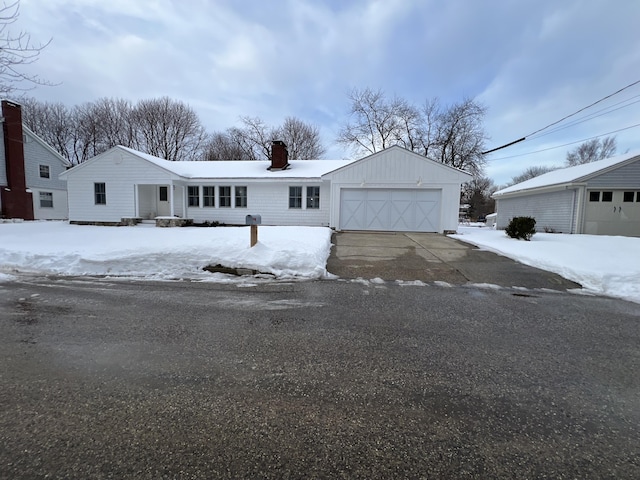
396 190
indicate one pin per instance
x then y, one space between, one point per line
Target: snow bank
602 264
161 253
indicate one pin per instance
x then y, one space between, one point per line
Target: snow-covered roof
569 175
243 169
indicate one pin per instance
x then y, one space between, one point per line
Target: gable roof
236 169
577 174
27 131
408 152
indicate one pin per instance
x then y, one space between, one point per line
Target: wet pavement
327 379
430 257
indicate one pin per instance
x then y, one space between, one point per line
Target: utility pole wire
563 118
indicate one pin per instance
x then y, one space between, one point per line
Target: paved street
327 379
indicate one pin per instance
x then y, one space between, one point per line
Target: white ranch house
598 198
392 190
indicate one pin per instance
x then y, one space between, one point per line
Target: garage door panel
403 210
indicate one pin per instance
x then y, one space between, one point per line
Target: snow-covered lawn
145 251
601 264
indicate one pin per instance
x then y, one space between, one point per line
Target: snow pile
602 264
145 251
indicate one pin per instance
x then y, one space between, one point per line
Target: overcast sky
530 62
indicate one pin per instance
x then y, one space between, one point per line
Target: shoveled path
431 257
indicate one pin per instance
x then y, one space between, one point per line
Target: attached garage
405 210
395 190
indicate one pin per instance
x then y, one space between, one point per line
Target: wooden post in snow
254 234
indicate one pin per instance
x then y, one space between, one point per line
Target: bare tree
224 146
53 122
591 151
252 141
302 139
530 173
168 129
16 50
453 135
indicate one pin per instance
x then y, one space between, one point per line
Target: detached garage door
390 210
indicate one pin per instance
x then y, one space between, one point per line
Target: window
594 196
46 200
241 197
163 194
295 197
225 196
44 171
607 196
100 193
637 196
209 196
193 194
313 197
628 197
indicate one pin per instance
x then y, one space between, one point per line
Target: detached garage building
392 190
598 198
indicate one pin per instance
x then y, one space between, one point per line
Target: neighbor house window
607 196
44 171
46 199
628 196
225 196
241 197
594 196
313 197
100 193
209 196
193 194
295 197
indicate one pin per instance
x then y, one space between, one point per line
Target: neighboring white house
392 190
599 198
30 187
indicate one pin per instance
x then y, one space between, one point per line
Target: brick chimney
279 156
16 201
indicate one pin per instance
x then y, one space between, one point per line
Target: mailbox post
253 221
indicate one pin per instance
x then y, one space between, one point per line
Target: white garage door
390 210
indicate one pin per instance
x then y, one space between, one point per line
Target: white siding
270 201
60 208
554 210
397 168
120 172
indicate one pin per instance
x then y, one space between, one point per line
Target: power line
566 144
564 118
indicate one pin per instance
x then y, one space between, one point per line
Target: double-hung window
44 171
46 199
100 193
225 196
295 197
193 194
209 196
313 197
241 197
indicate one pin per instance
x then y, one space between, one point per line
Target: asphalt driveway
431 257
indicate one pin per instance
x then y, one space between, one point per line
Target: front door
164 208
